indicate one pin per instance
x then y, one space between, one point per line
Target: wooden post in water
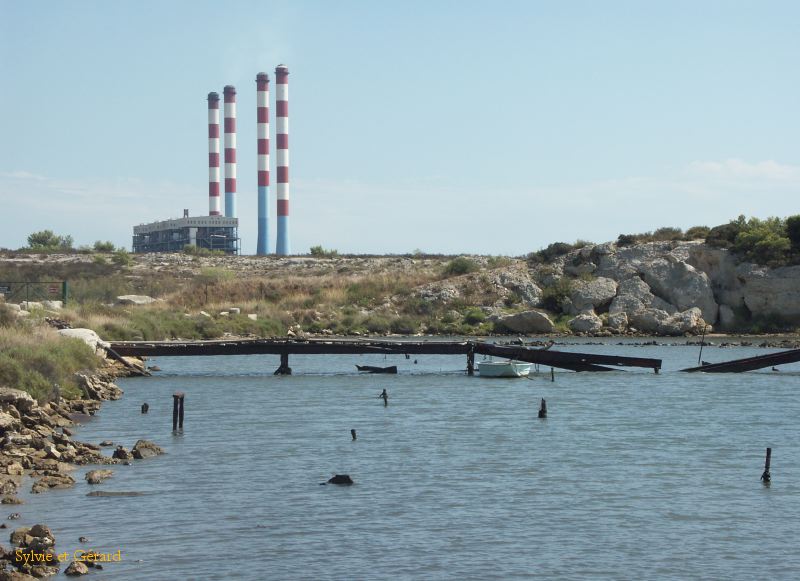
180 413
284 368
471 361
765 477
552 374
175 397
353 433
543 409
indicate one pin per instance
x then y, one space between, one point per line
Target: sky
415 125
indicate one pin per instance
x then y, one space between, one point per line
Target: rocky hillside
662 288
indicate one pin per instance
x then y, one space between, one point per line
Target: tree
107 246
43 239
46 240
793 230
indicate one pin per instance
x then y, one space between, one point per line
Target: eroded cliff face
747 290
669 288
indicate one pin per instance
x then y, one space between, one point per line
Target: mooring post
283 368
543 409
552 374
471 361
353 433
656 369
180 413
765 477
175 397
145 408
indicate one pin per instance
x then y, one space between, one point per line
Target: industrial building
211 232
221 232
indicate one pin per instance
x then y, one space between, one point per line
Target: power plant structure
220 230
262 118
282 142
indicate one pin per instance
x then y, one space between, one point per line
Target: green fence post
64 290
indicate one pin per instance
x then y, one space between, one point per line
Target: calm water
633 475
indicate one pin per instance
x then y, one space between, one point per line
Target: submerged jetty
286 347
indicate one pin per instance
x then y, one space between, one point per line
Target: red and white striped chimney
262 119
213 155
230 150
282 155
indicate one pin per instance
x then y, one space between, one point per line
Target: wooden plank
749 363
565 360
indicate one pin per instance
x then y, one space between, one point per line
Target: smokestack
213 155
230 150
282 138
262 115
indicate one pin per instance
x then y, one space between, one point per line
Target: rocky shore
37 448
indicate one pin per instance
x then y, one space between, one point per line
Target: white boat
504 368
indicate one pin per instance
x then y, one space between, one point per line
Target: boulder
146 449
53 305
253 316
680 284
521 284
526 322
52 480
29 305
688 321
121 453
76 568
773 292
135 300
235 310
592 294
586 322
98 476
633 294
88 336
648 320
21 400
8 423
618 321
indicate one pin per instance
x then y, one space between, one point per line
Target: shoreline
38 448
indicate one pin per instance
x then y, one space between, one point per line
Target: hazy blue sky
485 127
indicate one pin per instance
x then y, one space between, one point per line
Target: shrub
320 252
552 251
793 231
554 296
460 265
627 239
724 236
107 246
697 233
474 315
667 233
48 241
122 258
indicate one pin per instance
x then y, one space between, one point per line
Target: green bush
553 296
696 233
460 265
320 252
667 234
474 315
552 251
107 246
48 241
793 231
121 257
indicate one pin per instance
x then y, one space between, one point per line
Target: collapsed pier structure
286 347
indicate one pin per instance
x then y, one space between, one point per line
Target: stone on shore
527 322
146 449
52 480
591 294
76 568
88 336
586 322
22 401
122 453
98 476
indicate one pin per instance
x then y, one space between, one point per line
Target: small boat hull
504 368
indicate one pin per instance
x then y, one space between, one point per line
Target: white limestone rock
586 322
88 336
135 300
526 322
592 294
